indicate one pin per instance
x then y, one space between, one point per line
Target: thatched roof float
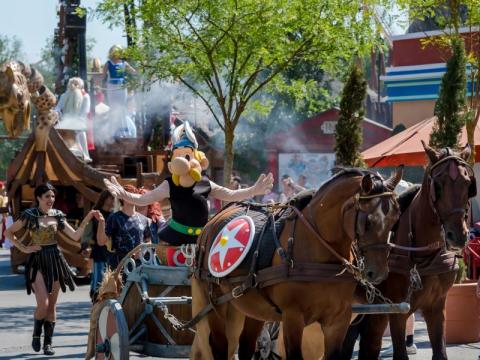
44 156
59 166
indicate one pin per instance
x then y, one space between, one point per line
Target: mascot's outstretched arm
160 193
187 189
262 186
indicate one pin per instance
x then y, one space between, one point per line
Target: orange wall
409 113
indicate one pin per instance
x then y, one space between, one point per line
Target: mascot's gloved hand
115 188
263 185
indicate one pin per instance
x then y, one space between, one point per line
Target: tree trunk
228 159
130 24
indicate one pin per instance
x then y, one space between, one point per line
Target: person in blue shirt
124 229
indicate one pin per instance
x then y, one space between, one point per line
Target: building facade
308 148
414 77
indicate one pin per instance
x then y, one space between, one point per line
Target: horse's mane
341 172
406 197
404 200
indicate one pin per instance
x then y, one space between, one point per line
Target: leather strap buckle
237 291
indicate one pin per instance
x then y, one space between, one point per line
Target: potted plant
462 310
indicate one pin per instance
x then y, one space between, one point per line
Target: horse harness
289 269
441 260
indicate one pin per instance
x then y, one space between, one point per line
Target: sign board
314 166
328 127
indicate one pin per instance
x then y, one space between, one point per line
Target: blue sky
33 21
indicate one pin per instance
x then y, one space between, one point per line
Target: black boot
37 333
47 341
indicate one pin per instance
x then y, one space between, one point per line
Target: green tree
47 65
348 132
10 48
451 100
449 16
228 51
309 91
8 149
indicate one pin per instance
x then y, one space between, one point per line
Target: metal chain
190 253
371 292
415 282
176 323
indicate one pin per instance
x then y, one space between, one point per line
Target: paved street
16 312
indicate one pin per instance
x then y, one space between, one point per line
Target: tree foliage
450 16
228 51
10 48
348 132
451 100
308 91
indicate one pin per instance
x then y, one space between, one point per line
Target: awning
406 147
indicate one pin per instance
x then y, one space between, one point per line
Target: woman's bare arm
77 234
10 233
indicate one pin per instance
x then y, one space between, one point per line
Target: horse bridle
357 248
361 218
472 190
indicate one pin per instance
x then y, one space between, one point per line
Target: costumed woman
73 108
46 271
188 190
115 72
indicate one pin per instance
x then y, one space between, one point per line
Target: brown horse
354 209
431 226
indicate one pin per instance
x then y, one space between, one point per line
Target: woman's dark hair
42 189
104 195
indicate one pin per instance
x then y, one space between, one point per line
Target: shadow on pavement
21 318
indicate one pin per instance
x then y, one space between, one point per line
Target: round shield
231 246
111 337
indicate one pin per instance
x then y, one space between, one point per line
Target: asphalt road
16 319
73 312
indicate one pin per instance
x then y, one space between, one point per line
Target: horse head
450 182
377 213
368 209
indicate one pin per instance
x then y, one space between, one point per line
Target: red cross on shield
231 246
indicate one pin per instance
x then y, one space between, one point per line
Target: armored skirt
52 265
48 261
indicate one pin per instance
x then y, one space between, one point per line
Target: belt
116 81
184 229
43 243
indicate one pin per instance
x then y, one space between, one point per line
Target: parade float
45 156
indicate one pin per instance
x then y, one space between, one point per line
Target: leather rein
356 246
289 270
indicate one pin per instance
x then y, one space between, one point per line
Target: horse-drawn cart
144 318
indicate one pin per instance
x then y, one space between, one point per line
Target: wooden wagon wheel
111 336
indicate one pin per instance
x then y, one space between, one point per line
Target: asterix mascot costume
188 189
